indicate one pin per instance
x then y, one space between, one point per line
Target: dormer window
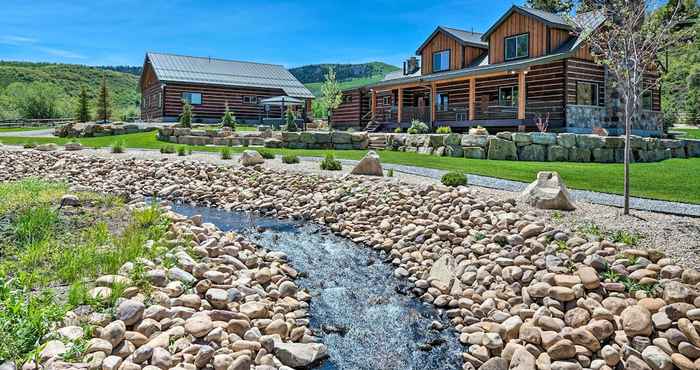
441 61
517 46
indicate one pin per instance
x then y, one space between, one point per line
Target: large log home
210 84
529 65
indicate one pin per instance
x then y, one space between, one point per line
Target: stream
364 315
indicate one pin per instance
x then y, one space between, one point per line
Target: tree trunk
628 152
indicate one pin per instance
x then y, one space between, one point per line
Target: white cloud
16 40
61 53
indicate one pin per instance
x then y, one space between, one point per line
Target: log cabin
210 85
529 67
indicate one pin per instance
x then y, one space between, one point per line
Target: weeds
34 224
591 229
118 147
330 163
557 216
266 154
561 246
226 153
168 149
626 237
390 172
290 159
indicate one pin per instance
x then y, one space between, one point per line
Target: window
347 99
159 100
586 93
441 61
647 100
250 99
194 98
508 96
442 101
386 100
517 46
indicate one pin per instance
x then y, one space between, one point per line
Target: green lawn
674 179
17 129
691 133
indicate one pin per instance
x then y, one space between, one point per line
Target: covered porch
492 100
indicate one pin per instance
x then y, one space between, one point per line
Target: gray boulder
251 158
369 165
548 192
46 147
500 149
299 354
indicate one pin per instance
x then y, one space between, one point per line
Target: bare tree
628 43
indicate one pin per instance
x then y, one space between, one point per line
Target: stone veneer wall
583 118
564 147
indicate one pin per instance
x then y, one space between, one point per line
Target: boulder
500 149
548 192
46 147
273 143
474 152
533 152
557 153
251 158
300 354
72 147
544 138
369 165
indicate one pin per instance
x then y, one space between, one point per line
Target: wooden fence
52 122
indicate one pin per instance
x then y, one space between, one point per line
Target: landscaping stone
532 152
548 192
601 155
250 158
544 138
499 149
474 152
566 140
556 153
475 141
579 155
369 165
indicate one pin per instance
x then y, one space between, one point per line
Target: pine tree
228 120
104 110
83 111
186 116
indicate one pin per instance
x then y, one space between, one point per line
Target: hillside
348 75
69 78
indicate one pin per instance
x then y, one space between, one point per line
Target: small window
386 100
508 96
160 100
442 101
586 93
250 99
517 46
647 101
441 61
194 98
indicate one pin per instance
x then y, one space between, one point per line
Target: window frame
386 100
596 103
251 99
649 93
514 96
505 46
189 99
449 57
442 102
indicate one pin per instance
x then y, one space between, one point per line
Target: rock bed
520 293
223 304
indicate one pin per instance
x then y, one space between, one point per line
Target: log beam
472 98
400 105
522 94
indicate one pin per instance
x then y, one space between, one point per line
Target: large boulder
50 147
300 354
251 158
500 149
369 165
548 192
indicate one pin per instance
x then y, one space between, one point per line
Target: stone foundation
582 119
97 130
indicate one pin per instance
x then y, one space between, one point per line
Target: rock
241 363
562 350
682 362
71 147
50 147
589 277
548 192
218 298
522 360
657 359
199 325
300 354
254 310
636 320
495 363
130 312
114 332
111 363
251 158
499 149
369 165
70 200
52 349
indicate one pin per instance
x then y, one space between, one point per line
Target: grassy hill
348 75
69 78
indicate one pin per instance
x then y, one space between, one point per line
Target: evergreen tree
83 112
104 109
289 118
186 116
552 6
228 120
331 95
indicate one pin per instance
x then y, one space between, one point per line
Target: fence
21 122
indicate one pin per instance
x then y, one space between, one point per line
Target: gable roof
180 68
466 38
550 19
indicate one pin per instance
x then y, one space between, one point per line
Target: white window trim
449 57
516 37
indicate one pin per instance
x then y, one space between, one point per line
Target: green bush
118 147
330 163
266 154
390 172
168 149
30 145
186 116
418 127
443 130
228 120
181 151
290 121
397 130
454 179
226 153
290 159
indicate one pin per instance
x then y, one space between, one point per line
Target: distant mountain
134 70
348 75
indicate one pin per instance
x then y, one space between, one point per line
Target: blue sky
292 33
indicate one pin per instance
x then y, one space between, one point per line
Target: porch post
472 98
400 105
373 103
433 107
521 95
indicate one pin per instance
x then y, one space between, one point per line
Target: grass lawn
691 133
17 129
674 179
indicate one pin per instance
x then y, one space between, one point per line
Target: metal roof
550 19
203 70
463 37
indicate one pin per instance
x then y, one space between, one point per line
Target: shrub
289 119
266 154
330 163
390 172
454 179
418 127
118 147
186 116
30 145
397 130
443 130
226 153
290 159
181 151
228 120
167 149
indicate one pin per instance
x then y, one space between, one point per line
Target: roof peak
213 58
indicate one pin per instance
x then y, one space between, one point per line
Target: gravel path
33 133
675 233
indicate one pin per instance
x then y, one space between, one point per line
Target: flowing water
358 308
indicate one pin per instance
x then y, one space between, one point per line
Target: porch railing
494 110
409 114
453 113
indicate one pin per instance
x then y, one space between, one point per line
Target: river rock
300 354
